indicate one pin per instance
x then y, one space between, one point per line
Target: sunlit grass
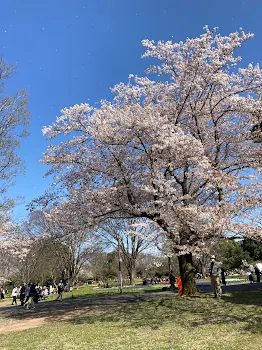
235 322
93 291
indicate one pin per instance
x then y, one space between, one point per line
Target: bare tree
133 236
80 244
13 121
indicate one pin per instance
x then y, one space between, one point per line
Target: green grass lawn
234 322
92 291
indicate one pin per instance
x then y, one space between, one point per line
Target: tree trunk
131 275
187 273
204 271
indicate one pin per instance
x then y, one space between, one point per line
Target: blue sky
73 51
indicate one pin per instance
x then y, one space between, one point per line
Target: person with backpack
215 272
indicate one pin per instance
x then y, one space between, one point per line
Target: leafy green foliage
253 248
232 254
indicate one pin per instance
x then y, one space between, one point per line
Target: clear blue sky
72 51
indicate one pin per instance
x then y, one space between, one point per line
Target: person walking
32 298
22 294
60 289
215 272
27 295
14 295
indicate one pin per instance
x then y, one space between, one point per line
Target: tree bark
131 273
187 273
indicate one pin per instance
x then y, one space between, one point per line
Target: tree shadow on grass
55 309
152 311
245 298
251 306
186 312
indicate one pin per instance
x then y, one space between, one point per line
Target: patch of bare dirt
10 326
17 326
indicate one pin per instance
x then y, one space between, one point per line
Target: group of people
251 271
217 274
29 294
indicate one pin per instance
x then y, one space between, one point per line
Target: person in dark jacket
172 280
223 276
22 294
60 289
257 272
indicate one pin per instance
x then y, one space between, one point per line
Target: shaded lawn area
234 322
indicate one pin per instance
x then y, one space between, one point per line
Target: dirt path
18 326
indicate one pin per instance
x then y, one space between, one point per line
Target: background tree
152 265
133 236
79 244
178 152
252 248
14 246
13 121
45 261
232 254
104 266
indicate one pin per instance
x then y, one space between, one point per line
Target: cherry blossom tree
14 247
177 150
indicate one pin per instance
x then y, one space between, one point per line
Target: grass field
234 322
92 291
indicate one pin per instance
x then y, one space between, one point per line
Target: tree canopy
176 150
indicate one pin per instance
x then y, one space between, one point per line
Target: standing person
27 294
51 289
257 272
2 293
172 280
22 294
250 272
32 298
14 295
60 289
215 271
223 276
34 294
